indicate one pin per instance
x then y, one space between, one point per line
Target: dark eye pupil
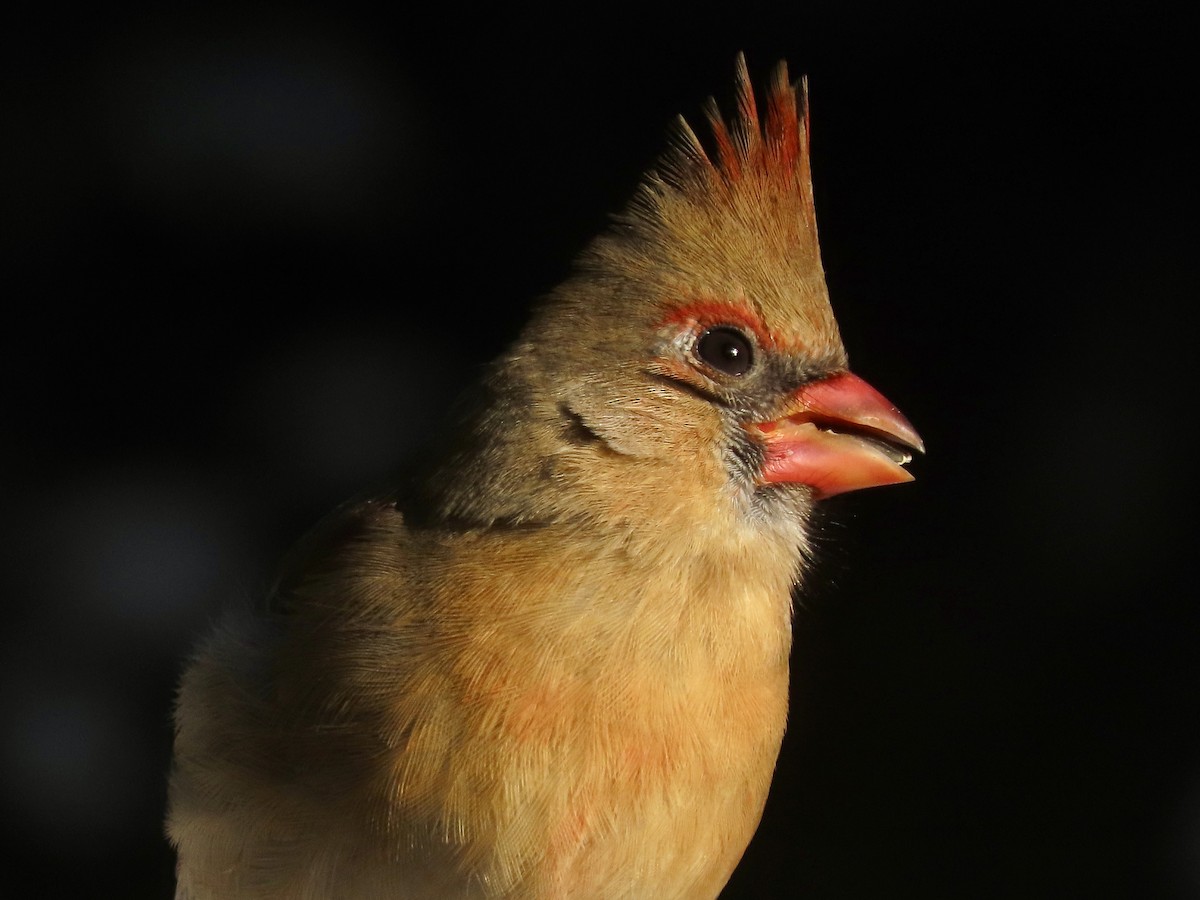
726 350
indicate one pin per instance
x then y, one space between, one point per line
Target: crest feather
746 124
728 158
729 214
772 150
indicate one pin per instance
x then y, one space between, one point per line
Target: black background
250 253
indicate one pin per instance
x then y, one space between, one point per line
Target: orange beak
839 434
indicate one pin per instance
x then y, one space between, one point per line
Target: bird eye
726 350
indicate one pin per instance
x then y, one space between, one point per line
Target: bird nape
557 663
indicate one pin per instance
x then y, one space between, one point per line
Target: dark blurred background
251 253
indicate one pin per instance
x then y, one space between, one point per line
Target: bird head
694 347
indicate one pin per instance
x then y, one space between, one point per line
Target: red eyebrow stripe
711 312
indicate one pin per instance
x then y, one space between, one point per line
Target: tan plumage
556 666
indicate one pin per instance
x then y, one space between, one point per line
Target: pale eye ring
725 349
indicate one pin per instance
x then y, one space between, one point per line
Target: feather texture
555 665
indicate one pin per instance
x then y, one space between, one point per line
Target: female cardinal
558 666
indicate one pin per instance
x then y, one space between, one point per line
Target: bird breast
610 736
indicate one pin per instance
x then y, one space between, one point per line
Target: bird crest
754 167
749 148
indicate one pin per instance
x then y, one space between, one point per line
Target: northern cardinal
558 665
